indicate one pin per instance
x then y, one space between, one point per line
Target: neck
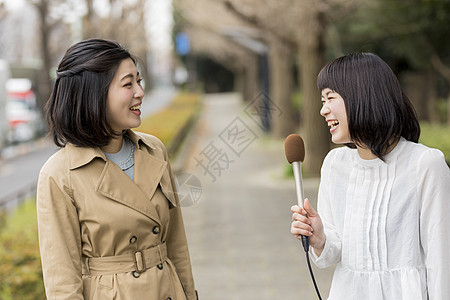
114 145
366 153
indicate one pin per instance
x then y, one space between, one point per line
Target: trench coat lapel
148 172
116 185
152 167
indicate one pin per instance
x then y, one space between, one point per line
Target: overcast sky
158 24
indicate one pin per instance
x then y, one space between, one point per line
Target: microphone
294 149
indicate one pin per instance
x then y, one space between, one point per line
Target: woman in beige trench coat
106 233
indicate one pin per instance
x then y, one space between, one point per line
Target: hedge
20 266
436 136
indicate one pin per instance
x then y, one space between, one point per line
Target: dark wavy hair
76 109
378 111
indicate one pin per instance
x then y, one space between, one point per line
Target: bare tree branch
247 18
253 20
439 65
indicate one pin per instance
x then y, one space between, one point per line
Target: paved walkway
238 230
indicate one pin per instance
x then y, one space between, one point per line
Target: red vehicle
21 111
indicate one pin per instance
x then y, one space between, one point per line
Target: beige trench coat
88 208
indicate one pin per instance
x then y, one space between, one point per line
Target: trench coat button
135 274
160 266
156 230
133 239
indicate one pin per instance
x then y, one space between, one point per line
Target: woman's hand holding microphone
307 222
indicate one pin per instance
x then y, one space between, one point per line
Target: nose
139 92
324 110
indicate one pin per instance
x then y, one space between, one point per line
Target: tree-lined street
254 64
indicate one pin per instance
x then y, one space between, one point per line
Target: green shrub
297 100
436 136
20 265
441 109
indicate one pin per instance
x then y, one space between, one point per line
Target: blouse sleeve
434 192
331 253
59 240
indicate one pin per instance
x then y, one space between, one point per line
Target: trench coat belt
137 261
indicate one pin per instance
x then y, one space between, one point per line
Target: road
20 172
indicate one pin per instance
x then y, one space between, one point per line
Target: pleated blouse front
373 214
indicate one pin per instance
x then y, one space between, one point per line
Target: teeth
136 107
333 124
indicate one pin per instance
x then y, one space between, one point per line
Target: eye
139 81
128 84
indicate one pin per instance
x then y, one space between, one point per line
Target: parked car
4 75
24 118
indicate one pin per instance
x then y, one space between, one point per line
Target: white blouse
387 224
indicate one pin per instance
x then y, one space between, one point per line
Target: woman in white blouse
384 200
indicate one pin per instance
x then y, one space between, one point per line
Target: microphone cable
305 243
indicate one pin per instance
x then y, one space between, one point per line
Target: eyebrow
327 93
128 76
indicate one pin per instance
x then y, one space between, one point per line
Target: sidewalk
238 230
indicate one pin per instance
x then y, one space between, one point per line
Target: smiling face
333 110
124 98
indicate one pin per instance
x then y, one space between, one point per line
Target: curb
181 147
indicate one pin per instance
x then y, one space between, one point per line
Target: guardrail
14 199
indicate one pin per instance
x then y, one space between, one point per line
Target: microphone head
294 148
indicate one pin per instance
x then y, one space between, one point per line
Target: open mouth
333 124
136 107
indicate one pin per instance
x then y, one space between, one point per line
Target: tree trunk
314 129
251 80
444 70
417 89
431 97
89 28
281 88
113 26
142 50
239 84
448 108
45 84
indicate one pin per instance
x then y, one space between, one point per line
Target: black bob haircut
378 111
76 109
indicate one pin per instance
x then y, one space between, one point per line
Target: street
20 172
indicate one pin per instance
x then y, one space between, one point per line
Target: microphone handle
297 168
